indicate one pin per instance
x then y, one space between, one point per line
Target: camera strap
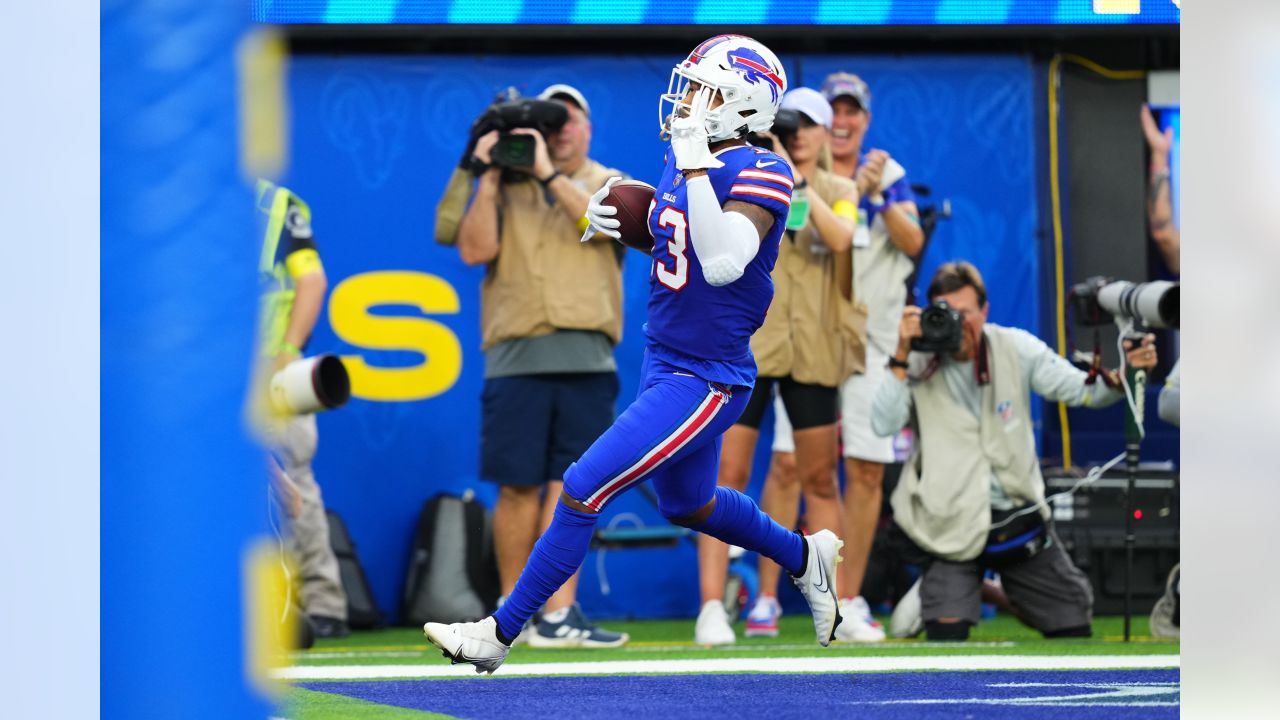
981 363
1109 377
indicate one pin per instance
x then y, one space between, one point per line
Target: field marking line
840 664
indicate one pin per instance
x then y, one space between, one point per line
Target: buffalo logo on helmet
754 69
706 45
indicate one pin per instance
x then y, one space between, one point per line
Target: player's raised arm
725 239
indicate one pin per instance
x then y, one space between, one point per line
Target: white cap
568 91
811 103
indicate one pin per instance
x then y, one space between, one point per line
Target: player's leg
865 455
737 448
687 496
780 499
584 410
673 415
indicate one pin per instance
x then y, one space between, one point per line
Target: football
632 198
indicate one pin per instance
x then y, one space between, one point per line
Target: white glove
689 136
600 216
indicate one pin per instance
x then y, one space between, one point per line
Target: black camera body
785 123
515 150
940 329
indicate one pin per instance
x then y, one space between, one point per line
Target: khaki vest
943 500
811 332
544 279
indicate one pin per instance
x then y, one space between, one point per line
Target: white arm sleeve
726 242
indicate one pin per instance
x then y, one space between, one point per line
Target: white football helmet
744 73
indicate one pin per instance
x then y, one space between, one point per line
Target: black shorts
808 406
532 427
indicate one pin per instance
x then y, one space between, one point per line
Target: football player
717 216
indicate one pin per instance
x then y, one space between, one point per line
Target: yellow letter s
351 320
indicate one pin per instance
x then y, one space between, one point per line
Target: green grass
673 639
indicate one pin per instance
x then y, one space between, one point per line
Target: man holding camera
971 496
295 283
551 314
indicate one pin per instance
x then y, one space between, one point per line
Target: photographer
551 314
971 495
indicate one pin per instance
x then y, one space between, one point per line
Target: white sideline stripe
754 665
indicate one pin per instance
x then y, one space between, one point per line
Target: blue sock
555 558
737 520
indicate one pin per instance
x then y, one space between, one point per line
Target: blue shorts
533 426
671 434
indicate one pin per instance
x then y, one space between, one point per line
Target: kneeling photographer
971 496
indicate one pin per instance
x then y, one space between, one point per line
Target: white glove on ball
600 216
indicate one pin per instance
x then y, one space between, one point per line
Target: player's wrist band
896 363
547 182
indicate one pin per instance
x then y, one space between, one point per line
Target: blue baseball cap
848 85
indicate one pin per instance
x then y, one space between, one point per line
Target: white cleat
858 625
476 643
713 626
908 619
818 583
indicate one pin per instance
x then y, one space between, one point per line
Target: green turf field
672 639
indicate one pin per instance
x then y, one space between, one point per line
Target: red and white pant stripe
668 446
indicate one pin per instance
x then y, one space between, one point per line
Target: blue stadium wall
373 142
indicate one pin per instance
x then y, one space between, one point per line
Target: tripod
1135 409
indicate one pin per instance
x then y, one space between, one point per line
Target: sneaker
858 625
713 626
818 583
574 630
476 643
762 621
908 618
328 627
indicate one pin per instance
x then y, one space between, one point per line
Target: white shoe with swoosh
818 583
476 643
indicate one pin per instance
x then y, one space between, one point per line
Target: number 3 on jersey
675 277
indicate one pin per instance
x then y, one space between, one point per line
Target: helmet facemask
677 101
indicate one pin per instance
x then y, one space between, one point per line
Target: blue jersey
692 324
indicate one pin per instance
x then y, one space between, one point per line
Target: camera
512 150
309 385
785 123
940 329
1099 300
